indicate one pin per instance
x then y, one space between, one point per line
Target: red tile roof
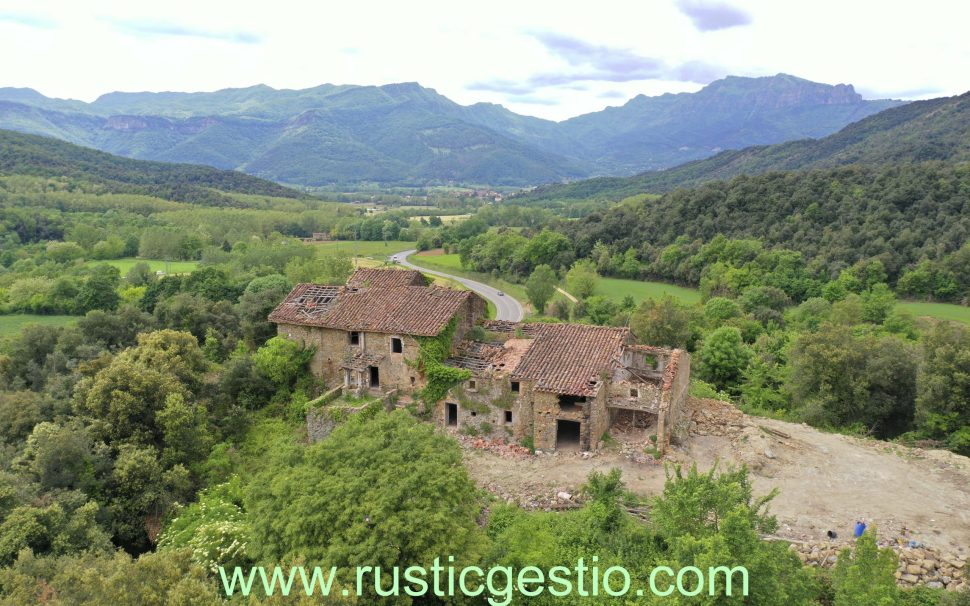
570 359
408 310
375 277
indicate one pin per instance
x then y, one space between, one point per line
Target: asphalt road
506 307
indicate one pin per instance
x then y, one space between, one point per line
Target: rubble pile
496 445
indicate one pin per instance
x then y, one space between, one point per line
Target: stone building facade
568 385
556 385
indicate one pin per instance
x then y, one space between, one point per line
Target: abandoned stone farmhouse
560 385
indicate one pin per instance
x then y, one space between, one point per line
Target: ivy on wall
432 352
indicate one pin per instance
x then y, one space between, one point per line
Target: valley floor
826 480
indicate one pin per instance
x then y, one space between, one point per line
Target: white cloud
590 56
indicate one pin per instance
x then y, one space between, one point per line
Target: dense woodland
43 157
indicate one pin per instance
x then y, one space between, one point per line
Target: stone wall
672 420
919 566
333 348
394 370
484 404
471 313
593 418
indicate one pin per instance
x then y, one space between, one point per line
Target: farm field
170 267
14 323
617 288
943 311
444 218
362 248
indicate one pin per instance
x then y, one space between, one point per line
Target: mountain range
406 134
921 131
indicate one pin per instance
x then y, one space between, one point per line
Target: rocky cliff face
776 92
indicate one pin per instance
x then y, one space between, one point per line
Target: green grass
170 267
616 289
364 249
943 311
13 324
441 262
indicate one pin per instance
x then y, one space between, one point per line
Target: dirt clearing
827 481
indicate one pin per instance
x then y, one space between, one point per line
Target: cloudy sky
553 59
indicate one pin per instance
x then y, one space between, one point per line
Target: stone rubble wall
917 566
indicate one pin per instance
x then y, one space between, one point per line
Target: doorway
375 376
567 435
451 414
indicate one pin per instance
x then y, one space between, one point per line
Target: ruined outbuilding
560 386
568 385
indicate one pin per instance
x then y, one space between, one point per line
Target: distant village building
560 385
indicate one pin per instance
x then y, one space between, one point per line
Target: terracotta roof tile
409 310
376 277
570 359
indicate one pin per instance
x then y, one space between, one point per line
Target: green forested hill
406 134
900 214
936 129
44 157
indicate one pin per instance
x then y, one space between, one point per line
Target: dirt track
826 480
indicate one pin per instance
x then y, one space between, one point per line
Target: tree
545 248
877 302
211 283
62 252
713 519
140 492
718 310
540 287
62 457
943 385
214 528
326 269
99 291
768 297
695 504
123 401
116 330
599 309
261 296
865 575
95 578
840 379
20 411
386 490
283 361
65 524
666 322
629 265
140 274
581 279
723 358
